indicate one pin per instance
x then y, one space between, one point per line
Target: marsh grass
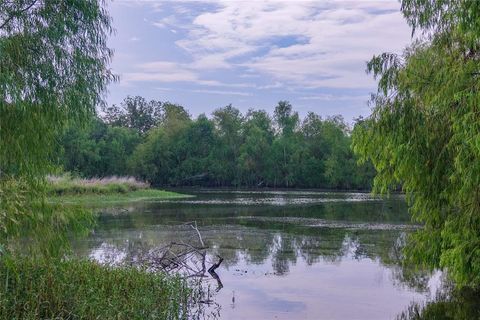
82 289
103 191
68 185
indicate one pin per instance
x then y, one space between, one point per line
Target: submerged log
214 275
215 265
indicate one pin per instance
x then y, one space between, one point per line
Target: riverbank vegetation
72 289
424 133
54 70
67 185
101 191
448 303
160 142
102 199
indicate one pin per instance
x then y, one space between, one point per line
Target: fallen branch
216 265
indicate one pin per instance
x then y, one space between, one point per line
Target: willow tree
424 133
53 69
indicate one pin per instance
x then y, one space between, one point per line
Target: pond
287 254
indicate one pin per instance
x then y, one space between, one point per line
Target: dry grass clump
67 184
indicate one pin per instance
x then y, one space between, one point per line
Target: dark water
287 255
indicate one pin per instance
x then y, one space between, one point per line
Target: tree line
161 143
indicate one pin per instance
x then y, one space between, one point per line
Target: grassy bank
75 289
114 198
109 190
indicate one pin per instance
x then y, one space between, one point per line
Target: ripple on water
272 201
322 223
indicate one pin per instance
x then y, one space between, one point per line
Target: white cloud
332 97
286 44
338 37
163 88
168 71
161 71
230 93
167 22
274 85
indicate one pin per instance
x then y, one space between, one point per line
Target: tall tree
197 144
228 123
254 158
52 68
286 148
135 113
285 118
97 149
158 158
424 133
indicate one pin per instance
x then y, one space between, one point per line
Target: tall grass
81 289
66 184
39 279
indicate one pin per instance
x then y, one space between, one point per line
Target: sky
207 54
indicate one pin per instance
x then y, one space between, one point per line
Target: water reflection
291 255
449 304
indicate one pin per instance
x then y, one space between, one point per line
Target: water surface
287 254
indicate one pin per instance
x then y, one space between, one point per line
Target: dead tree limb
216 265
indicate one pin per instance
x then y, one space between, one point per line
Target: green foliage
424 134
38 289
134 113
104 199
449 304
229 149
31 225
97 149
52 69
228 123
253 162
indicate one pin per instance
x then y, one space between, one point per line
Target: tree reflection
449 304
260 242
263 236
